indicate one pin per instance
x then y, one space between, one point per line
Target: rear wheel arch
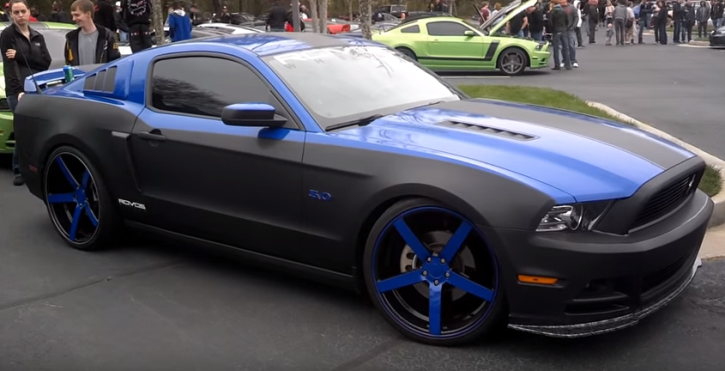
407 51
65 140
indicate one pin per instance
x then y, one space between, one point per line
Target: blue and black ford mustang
339 158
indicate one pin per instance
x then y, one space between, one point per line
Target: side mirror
469 33
252 114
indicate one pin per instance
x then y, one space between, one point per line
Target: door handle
154 135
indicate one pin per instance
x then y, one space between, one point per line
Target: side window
411 29
204 85
446 29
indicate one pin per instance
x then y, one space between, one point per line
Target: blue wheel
77 200
430 273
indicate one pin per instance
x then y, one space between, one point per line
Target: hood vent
486 130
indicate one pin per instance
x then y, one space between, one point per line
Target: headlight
573 217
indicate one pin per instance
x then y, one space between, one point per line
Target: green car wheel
512 61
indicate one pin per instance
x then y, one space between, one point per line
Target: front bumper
717 40
7 138
540 58
605 282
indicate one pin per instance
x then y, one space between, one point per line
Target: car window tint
411 29
204 85
446 29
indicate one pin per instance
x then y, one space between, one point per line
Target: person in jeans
678 15
592 13
24 53
572 15
702 17
620 20
644 18
717 12
560 36
661 22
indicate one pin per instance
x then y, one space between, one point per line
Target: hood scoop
486 130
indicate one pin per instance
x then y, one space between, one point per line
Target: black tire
86 204
512 61
408 53
398 303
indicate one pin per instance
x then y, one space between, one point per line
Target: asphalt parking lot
154 305
677 89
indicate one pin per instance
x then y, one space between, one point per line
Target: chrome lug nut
448 274
429 259
443 261
435 282
425 273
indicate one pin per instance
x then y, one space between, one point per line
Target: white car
231 29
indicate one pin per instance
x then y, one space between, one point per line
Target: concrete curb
718 215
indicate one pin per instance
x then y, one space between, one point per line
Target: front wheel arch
527 59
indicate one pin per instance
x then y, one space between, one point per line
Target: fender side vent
486 130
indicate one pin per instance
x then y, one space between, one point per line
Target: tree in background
158 21
366 17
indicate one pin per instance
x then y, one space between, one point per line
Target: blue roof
269 43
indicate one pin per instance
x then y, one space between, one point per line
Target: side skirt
320 275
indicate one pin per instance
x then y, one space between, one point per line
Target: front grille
4 106
666 200
655 279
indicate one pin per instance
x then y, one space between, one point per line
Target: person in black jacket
104 15
678 15
57 14
137 16
560 36
536 22
24 53
661 22
99 44
689 18
276 18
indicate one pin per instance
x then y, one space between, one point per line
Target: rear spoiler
54 77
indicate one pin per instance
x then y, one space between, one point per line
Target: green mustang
54 34
451 44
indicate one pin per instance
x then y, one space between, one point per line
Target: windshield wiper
359 122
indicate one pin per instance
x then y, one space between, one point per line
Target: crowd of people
564 21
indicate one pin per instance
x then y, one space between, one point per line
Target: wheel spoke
91 215
64 169
61 198
86 177
434 308
411 240
75 222
456 241
400 281
470 287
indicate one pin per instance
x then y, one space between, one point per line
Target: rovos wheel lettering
135 205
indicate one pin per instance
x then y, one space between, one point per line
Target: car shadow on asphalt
491 74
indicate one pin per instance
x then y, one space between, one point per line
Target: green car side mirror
469 33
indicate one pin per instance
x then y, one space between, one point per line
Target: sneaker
575 65
561 65
18 180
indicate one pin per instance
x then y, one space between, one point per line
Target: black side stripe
490 53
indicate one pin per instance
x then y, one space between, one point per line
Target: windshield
340 84
55 40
